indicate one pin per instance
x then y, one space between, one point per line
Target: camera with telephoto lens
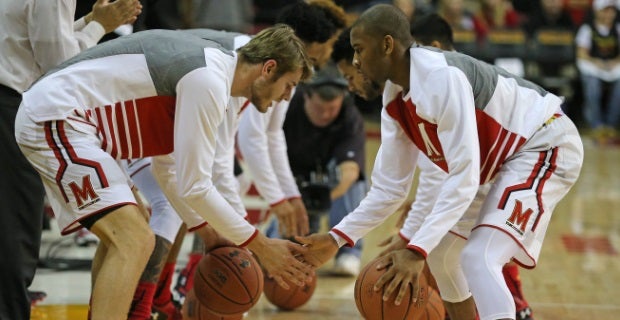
315 193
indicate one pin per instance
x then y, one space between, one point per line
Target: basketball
371 305
194 310
228 281
434 309
289 299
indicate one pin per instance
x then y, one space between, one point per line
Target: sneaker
346 265
84 238
168 311
185 280
525 314
36 297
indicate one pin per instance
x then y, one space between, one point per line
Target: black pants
21 210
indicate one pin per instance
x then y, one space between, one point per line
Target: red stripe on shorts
552 166
81 161
528 184
62 163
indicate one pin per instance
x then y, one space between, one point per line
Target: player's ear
269 67
436 44
388 44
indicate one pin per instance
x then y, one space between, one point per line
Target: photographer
325 139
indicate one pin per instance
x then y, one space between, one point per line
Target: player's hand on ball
320 248
279 259
393 243
212 239
404 268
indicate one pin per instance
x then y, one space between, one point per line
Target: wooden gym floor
578 275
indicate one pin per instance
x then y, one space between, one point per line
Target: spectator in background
356 7
411 8
267 11
36 36
549 14
598 60
495 14
414 8
457 16
330 174
526 6
230 15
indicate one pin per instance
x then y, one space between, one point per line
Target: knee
437 265
135 240
139 240
145 238
471 260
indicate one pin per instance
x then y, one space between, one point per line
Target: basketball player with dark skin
369 90
430 30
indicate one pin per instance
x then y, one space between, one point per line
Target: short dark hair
342 47
432 27
316 21
385 19
327 92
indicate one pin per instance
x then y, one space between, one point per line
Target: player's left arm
454 114
253 145
276 142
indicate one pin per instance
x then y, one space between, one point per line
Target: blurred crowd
541 40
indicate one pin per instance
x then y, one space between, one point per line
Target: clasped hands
404 266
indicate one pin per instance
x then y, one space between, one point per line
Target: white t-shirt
37 35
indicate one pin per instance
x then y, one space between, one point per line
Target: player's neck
245 74
401 69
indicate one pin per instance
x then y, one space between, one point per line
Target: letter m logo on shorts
85 194
519 219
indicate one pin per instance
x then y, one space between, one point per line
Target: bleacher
547 57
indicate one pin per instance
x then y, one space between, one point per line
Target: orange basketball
194 310
289 299
434 309
228 281
371 305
